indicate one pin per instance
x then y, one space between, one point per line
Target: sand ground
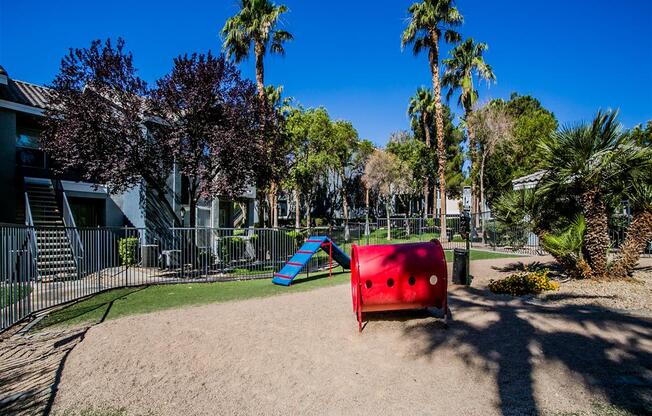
301 353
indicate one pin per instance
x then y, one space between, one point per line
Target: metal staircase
55 257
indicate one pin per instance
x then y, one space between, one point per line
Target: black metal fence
43 267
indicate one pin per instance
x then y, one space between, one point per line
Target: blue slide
301 258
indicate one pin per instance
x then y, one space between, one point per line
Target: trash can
459 266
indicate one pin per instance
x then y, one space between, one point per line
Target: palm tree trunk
426 188
596 239
439 122
639 234
260 71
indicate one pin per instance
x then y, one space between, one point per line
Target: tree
272 166
255 24
639 231
642 135
421 110
95 124
520 156
210 115
414 154
386 175
342 147
429 20
466 62
308 131
590 163
492 126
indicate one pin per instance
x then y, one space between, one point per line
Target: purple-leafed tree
210 119
96 124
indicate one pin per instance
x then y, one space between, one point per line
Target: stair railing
72 231
31 235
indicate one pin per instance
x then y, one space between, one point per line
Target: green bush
297 236
233 248
128 251
524 283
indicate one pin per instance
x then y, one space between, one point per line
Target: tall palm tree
466 63
590 162
429 21
255 24
421 109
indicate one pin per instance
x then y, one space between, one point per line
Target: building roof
528 181
25 93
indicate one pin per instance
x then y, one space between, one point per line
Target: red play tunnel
398 276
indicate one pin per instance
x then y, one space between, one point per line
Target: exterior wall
8 166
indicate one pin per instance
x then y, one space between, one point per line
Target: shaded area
31 367
609 351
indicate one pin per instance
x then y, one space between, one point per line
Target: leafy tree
429 21
387 175
492 126
272 166
255 24
520 156
414 154
309 132
341 148
466 62
210 115
95 123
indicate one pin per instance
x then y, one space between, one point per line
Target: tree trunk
260 72
482 162
439 122
596 238
273 204
389 225
261 209
297 210
426 188
639 234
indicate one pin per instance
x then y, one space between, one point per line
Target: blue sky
575 56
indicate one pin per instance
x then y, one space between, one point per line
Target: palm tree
592 162
465 64
639 231
429 20
421 110
255 24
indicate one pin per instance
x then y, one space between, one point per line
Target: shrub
128 251
232 249
524 283
297 236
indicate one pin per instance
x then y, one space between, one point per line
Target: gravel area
301 353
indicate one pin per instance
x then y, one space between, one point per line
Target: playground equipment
398 276
301 258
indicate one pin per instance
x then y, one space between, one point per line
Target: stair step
52 268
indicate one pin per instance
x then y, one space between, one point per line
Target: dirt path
301 354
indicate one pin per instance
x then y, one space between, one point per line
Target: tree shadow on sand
604 348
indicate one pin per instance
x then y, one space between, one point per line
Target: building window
28 153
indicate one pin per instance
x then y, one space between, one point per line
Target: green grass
127 301
482 255
13 293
